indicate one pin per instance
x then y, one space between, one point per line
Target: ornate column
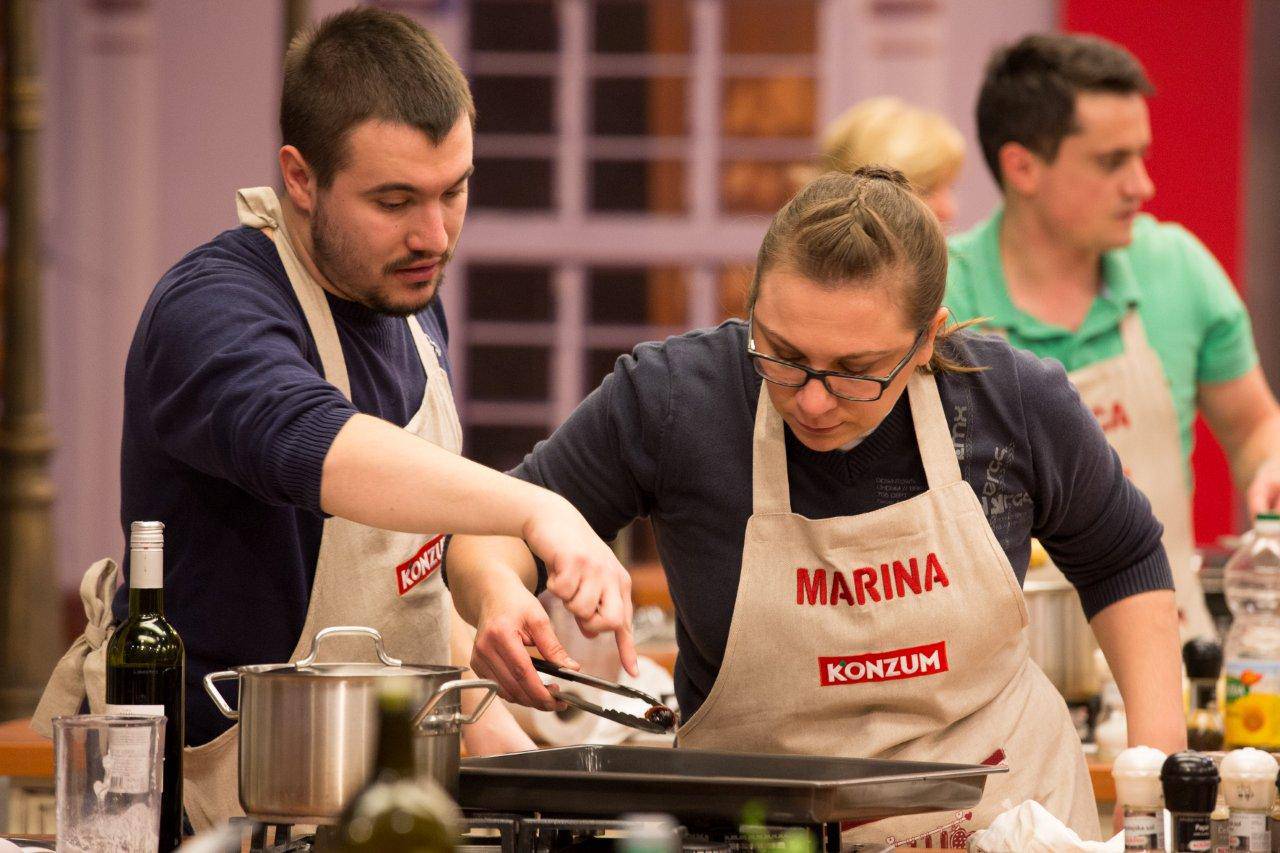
106 218
30 623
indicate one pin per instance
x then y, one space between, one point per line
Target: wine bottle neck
395 741
144 601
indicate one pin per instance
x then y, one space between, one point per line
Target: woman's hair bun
877 172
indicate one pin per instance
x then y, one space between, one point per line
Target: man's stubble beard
336 261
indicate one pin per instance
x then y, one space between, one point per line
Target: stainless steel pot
1060 638
308 731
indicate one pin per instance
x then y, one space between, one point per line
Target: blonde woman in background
921 144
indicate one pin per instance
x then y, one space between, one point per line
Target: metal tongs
645 725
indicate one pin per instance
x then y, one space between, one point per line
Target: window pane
642 26
501 447
638 106
769 107
511 184
637 186
748 186
514 25
514 104
508 292
508 373
770 26
637 296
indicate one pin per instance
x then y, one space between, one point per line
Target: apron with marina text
896 634
364 575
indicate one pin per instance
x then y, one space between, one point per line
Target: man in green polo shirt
1140 314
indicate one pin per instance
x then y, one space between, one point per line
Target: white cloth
1030 828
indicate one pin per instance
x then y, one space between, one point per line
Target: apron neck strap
937 452
1132 332
427 352
770 486
258 207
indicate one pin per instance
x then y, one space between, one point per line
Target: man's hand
584 573
1264 491
510 619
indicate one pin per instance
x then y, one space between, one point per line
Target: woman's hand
510 619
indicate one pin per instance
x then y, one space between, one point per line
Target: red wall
1195 53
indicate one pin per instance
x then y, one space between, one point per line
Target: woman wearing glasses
844 493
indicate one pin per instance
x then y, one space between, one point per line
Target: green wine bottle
146 665
397 812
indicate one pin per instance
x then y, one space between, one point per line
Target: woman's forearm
1139 636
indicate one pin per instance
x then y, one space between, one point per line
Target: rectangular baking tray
706 785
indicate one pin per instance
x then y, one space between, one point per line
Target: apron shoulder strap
770 487
937 451
259 207
1132 332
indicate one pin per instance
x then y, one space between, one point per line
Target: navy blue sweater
668 435
227 421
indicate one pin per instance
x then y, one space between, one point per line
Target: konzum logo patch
421 565
883 666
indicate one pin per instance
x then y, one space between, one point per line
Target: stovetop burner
511 833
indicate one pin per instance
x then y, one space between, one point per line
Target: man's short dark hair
363 64
1029 91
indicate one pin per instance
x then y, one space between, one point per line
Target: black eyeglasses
846 386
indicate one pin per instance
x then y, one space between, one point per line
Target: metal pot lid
388 666
348 670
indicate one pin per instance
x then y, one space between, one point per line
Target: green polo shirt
1192 315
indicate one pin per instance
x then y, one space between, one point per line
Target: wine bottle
146 665
397 812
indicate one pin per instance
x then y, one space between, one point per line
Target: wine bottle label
1143 832
129 762
1248 831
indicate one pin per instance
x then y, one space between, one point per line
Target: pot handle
216 695
424 716
349 630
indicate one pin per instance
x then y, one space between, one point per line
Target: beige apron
898 634
364 576
1129 394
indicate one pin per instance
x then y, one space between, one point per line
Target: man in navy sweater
288 414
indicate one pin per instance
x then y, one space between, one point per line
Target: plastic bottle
1190 784
1252 672
1139 793
1248 782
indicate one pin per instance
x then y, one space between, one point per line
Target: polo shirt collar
1119 287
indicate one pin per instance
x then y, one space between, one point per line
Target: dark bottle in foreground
1190 784
145 668
397 812
1205 725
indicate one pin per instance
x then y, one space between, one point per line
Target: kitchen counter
23 752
